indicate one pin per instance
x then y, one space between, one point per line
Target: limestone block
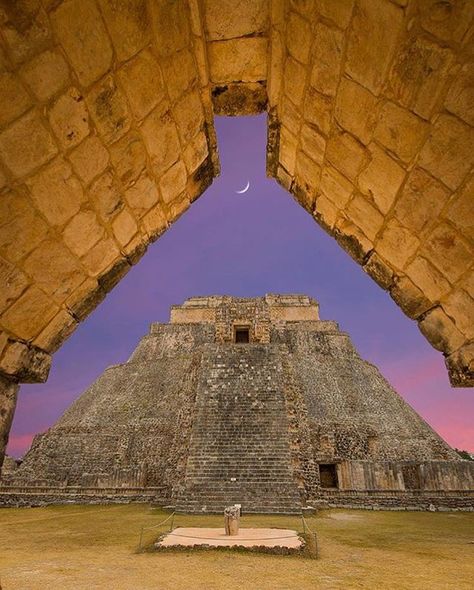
346 154
420 201
227 19
127 22
397 244
89 159
69 118
178 207
25 29
243 60
14 100
196 152
275 69
448 251
82 232
459 100
29 314
200 56
448 154
154 222
460 307
448 20
375 28
161 139
173 182
308 175
460 210
46 74
335 187
425 276
290 115
189 116
418 75
325 211
327 56
361 211
26 144
13 282
85 298
106 196
108 107
294 81
142 196
170 25
179 72
313 143
298 37
80 30
143 84
440 331
379 270
124 227
21 228
318 110
3 179
460 365
56 332
381 179
350 237
400 131
409 298
356 110
101 257
288 146
339 12
56 192
54 269
128 156
25 362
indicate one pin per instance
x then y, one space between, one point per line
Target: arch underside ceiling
107 137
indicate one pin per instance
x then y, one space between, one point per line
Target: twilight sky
248 245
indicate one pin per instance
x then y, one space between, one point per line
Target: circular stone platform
261 537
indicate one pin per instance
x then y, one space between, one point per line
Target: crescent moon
245 189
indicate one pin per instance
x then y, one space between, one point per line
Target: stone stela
242 400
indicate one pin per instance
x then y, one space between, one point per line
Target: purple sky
248 245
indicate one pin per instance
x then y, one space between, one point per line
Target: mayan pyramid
253 401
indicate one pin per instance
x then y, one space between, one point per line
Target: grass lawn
93 547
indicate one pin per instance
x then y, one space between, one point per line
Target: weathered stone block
80 30
189 116
25 363
85 298
327 56
318 110
173 182
335 187
243 60
26 144
109 110
381 179
397 244
69 118
298 37
448 20
288 146
425 276
170 25
339 12
448 153
13 282
56 332
375 28
460 365
379 270
459 210
294 80
440 330
154 222
418 75
29 314
143 84
128 156
448 251
128 24
346 154
101 257
325 212
400 131
82 232
14 99
409 298
56 192
161 139
105 193
356 110
142 196
227 19
124 227
290 115
196 152
459 305
46 74
180 73
89 159
459 100
352 239
313 143
361 211
307 176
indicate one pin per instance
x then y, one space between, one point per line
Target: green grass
94 547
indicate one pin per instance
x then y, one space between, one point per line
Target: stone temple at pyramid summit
253 401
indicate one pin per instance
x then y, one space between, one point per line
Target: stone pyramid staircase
239 450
